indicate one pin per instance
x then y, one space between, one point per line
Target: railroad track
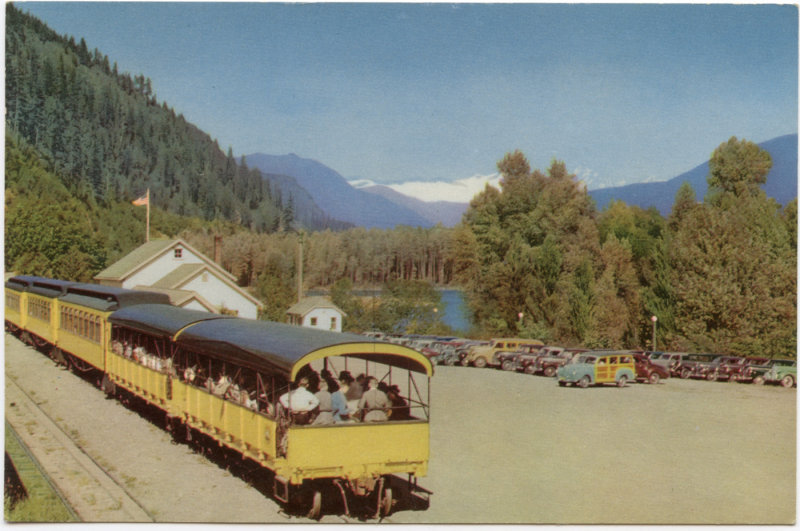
86 487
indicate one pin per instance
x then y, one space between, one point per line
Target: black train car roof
109 298
160 319
48 287
286 348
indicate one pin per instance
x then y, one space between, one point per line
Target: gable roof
180 297
307 304
147 253
176 277
182 274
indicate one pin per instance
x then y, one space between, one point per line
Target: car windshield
587 359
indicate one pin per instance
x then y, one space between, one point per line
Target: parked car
455 356
778 370
446 351
485 355
649 371
508 358
732 368
721 367
548 362
669 360
599 367
695 365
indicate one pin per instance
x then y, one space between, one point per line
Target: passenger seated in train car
249 400
300 403
325 414
221 386
350 389
128 351
117 348
189 374
338 402
169 367
264 404
400 409
374 403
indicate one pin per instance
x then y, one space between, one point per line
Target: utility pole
300 266
655 320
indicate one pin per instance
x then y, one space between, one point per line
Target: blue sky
437 92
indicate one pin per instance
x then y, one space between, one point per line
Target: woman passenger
338 402
325 415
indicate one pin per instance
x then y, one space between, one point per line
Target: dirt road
505 448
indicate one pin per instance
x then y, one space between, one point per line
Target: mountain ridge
335 196
382 206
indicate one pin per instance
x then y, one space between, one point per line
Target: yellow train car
226 377
82 321
15 298
38 307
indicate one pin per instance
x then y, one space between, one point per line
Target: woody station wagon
598 368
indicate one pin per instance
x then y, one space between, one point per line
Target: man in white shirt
300 403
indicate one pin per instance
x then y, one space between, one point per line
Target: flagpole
147 236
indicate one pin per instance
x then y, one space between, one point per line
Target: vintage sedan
599 367
669 360
783 371
549 362
649 371
695 365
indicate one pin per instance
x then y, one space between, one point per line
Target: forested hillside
108 139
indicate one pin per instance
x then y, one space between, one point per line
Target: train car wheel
315 512
385 506
58 356
108 386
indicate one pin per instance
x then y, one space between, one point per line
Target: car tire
450 362
623 380
654 378
685 373
550 371
464 362
508 365
562 383
584 382
787 381
758 380
530 369
480 362
711 377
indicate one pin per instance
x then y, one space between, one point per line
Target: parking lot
517 448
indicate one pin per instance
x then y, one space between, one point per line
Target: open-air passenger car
199 352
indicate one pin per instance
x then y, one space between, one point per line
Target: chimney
218 249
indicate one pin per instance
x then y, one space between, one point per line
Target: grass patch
42 504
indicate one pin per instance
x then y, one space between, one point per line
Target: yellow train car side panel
85 337
138 379
15 307
235 426
357 450
42 317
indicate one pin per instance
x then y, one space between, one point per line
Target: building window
313 321
179 253
333 323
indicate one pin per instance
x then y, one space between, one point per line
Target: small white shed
316 312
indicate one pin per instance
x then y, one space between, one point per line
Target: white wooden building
191 279
316 312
